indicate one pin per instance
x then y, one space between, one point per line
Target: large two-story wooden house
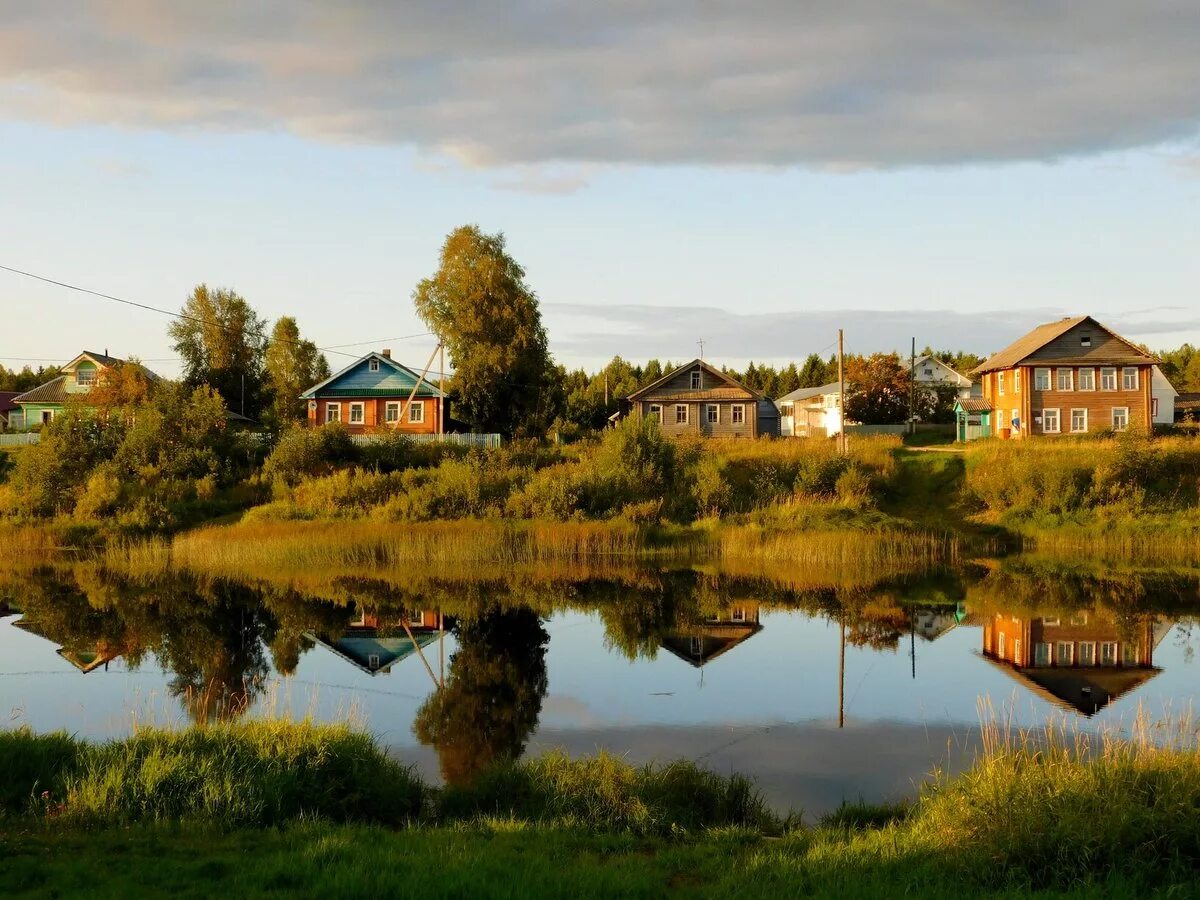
376 391
1066 377
697 398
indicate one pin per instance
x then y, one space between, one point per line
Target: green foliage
35 765
50 476
877 389
479 304
303 452
292 365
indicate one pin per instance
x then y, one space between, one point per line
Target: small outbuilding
974 417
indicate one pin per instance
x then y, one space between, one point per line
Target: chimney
387 354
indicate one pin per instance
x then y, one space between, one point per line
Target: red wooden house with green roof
376 391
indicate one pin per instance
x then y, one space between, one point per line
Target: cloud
588 334
830 84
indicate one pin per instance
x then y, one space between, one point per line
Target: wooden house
716 636
86 658
41 404
931 372
1080 661
374 392
373 646
811 411
697 398
1067 377
8 408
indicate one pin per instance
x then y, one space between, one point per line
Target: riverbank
177 814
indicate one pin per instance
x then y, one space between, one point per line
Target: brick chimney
387 354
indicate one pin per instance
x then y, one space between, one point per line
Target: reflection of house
85 660
717 635
374 647
697 398
811 412
1081 661
932 623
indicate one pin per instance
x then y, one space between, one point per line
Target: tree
876 389
222 341
814 372
292 365
480 306
121 389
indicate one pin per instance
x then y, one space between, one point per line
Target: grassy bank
1057 814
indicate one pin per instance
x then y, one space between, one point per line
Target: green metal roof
334 393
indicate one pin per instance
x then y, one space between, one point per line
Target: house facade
374 645
718 634
811 412
697 398
376 391
40 405
1072 376
931 372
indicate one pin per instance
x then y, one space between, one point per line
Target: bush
303 452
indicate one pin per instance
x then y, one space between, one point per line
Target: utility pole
606 389
701 343
841 397
441 395
842 671
912 389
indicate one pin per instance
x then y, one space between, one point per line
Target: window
1129 654
416 617
696 646
1087 379
47 416
373 365
1000 644
928 370
1108 654
373 661
1065 379
737 414
1050 424
1041 379
1078 420
681 414
656 412
1087 653
391 412
333 412
1079 619
416 413
1108 379
1129 378
785 409
712 414
1000 383
1064 653
1154 408
1041 655
357 414
696 380
739 614
1052 621
1017 381
85 376
1085 340
1120 418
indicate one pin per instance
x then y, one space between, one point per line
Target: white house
932 371
1162 398
811 412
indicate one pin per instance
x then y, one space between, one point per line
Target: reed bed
1165 546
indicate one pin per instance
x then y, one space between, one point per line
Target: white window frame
373 364
336 410
737 414
697 380
391 412
373 661
738 614
1108 651
1058 655
1079 619
1000 384
1016 658
1001 644
361 409
1041 653
1016 381
696 646
1070 379
93 377
687 414
1129 378
1085 340
416 617
656 412
1087 383
1084 429
1108 378
1087 653
1129 653
1041 379
712 413
1051 621
416 413
1046 415
1124 410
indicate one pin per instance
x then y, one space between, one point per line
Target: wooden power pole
841 397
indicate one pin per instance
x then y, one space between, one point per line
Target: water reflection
469 666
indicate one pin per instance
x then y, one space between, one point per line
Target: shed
974 418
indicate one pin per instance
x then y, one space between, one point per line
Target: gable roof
53 391
710 394
356 380
973 404
100 359
959 377
715 640
1085 690
1159 381
1024 347
358 648
806 393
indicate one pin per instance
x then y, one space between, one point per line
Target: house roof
53 391
643 393
973 404
1025 346
392 380
958 377
1188 401
6 401
84 660
806 393
100 359
358 648
1085 690
715 640
1161 382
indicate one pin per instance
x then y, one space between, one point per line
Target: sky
754 174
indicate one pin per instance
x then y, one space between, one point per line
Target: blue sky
673 204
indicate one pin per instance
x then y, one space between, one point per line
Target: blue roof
357 380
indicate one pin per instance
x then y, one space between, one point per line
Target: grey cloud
832 84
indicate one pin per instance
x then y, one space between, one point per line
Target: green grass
1050 814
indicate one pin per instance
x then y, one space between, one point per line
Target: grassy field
1054 814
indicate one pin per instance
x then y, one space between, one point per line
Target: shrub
303 452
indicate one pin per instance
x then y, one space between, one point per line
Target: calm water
821 693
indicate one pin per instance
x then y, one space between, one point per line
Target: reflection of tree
493 697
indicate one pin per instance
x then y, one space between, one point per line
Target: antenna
701 343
